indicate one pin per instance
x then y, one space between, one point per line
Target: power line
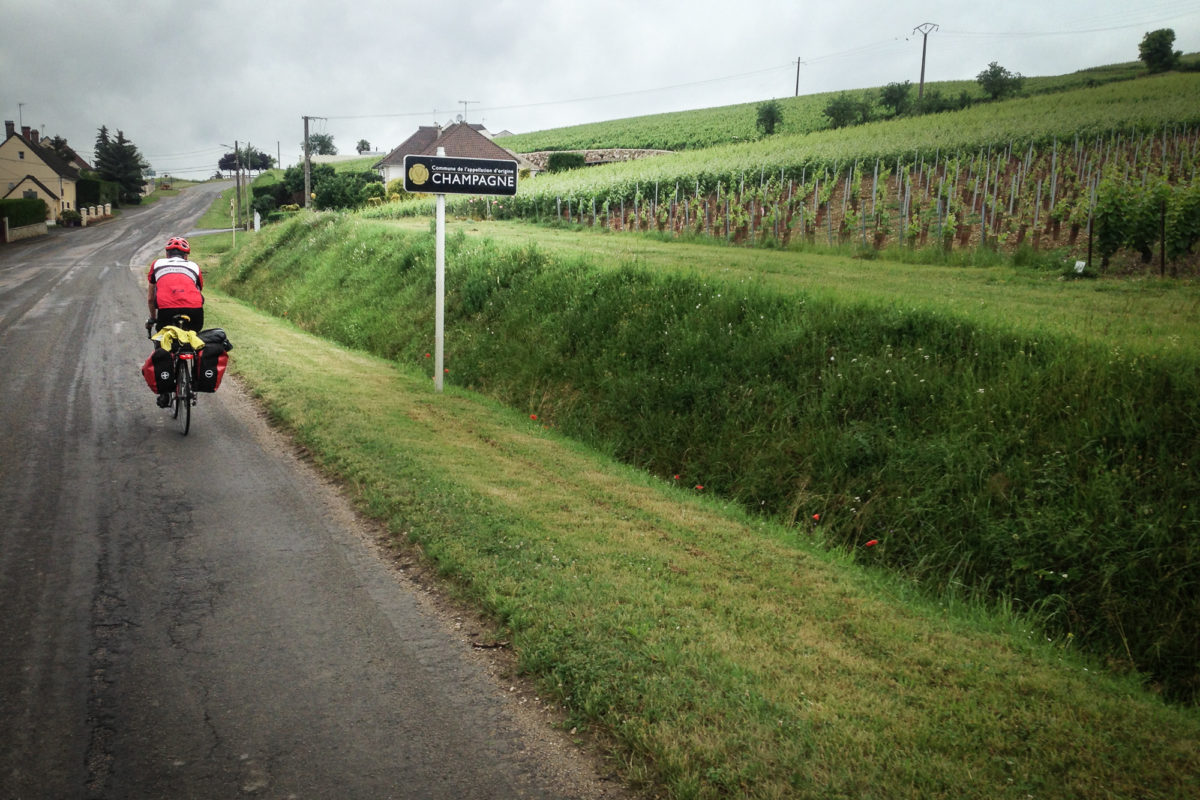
1167 16
629 93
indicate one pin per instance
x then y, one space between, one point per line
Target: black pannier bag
158 372
212 360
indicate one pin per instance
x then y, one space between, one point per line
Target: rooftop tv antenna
465 103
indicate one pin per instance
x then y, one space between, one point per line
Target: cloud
181 78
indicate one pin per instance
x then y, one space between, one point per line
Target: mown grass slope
981 458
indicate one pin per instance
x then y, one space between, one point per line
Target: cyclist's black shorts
166 316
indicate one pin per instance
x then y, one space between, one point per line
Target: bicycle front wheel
182 408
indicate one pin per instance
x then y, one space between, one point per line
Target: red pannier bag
212 360
158 372
210 368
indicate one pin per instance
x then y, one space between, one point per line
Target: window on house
30 194
20 155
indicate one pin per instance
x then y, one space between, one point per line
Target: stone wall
23 232
593 157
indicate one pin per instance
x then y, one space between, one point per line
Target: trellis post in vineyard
1037 208
1054 174
875 188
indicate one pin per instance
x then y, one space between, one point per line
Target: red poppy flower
872 543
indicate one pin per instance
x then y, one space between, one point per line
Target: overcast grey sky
182 78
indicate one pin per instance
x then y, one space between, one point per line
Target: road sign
448 175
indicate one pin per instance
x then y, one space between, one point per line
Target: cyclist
175 287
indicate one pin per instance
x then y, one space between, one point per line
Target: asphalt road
200 617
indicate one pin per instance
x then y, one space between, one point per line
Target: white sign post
442 175
439 303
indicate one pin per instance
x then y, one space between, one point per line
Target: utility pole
237 184
799 61
247 184
925 28
307 165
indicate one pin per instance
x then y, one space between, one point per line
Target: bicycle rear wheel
181 409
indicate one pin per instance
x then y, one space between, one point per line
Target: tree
770 115
118 160
247 159
320 144
845 110
896 97
363 146
60 147
1155 50
997 82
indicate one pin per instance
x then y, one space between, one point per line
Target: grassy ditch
716 654
1020 468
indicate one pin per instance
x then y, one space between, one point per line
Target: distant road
200 617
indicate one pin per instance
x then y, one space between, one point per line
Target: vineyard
1107 172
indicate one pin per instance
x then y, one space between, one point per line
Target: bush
70 217
95 192
560 162
23 211
264 204
845 110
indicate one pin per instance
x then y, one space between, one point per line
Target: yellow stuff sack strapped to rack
170 336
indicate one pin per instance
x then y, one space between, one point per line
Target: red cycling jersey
177 283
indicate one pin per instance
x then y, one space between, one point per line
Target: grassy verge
718 655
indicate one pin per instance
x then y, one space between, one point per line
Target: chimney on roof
10 128
25 132
35 136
